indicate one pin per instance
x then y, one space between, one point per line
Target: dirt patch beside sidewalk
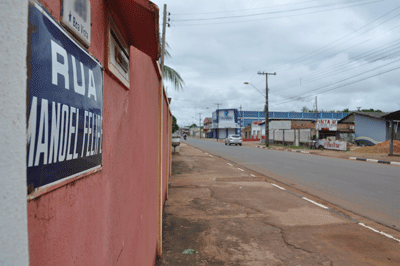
381 148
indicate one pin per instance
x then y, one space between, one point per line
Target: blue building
232 121
370 127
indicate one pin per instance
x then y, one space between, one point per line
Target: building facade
371 127
233 121
87 183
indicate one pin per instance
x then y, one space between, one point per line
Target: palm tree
171 75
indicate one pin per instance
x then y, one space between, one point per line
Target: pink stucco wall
109 217
166 144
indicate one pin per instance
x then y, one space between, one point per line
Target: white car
233 139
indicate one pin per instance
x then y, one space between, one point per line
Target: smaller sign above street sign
76 17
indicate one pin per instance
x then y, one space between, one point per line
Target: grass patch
291 146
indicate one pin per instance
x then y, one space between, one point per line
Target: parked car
233 139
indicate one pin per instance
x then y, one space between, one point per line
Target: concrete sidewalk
232 216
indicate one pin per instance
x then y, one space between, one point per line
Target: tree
193 125
169 74
305 109
371 110
175 126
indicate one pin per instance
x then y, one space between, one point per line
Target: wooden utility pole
163 39
241 120
217 104
200 123
266 107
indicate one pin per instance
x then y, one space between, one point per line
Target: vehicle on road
233 139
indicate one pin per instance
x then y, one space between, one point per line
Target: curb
374 161
351 158
263 147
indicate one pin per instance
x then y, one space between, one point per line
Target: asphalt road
370 190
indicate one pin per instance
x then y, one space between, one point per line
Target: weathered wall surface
111 216
370 127
303 125
279 125
13 219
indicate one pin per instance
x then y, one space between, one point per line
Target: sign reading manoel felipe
65 104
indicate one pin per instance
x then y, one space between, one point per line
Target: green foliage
174 77
371 110
193 125
170 74
305 109
175 126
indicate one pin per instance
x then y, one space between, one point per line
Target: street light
248 83
266 105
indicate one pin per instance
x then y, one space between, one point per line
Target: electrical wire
343 67
241 10
265 13
285 16
320 89
307 56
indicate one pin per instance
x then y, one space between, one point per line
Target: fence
293 136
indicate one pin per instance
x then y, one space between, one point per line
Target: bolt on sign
65 104
326 124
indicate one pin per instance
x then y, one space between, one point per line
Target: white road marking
395 163
252 175
353 158
210 155
241 169
278 186
320 205
229 164
372 160
379 232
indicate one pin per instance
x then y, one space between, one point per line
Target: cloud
311 53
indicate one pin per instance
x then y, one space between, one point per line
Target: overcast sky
345 52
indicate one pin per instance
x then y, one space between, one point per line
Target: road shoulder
232 216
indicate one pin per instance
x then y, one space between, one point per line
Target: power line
340 86
266 13
320 75
284 16
307 55
363 41
342 67
241 10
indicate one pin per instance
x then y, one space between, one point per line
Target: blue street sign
65 104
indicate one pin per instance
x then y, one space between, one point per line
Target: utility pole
316 103
163 38
200 123
316 119
266 107
241 120
217 104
